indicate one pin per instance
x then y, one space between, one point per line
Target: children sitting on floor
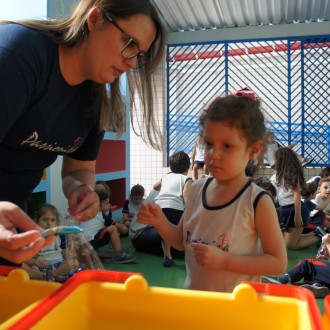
100 231
48 263
103 186
132 204
315 273
322 200
317 215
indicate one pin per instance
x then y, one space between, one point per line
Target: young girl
288 180
227 216
47 216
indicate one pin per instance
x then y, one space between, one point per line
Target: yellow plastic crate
18 293
88 301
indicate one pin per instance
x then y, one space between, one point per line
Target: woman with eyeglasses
59 92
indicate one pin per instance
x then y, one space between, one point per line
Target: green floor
151 267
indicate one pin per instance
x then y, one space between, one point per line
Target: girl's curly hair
289 171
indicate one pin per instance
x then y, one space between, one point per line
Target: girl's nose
215 153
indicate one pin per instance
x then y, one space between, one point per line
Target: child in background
172 196
50 258
272 146
288 180
197 158
317 216
100 232
325 172
223 229
132 204
122 228
322 200
251 170
315 273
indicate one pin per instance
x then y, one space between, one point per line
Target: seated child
317 216
325 172
49 261
103 186
132 204
315 273
322 202
100 231
271 146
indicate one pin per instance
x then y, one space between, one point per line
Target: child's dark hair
325 172
179 162
238 112
310 189
265 184
104 184
103 195
324 179
44 207
137 190
289 170
251 170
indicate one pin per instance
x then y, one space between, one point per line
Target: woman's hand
23 246
84 203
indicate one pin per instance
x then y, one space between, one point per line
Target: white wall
19 9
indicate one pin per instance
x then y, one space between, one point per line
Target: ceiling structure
208 20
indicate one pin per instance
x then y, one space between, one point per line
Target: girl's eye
226 146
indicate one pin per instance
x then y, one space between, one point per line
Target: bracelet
87 186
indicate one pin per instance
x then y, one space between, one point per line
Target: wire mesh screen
291 76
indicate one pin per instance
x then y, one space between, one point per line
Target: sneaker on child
283 279
123 258
167 262
318 289
319 232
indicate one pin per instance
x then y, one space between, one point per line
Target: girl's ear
256 149
94 18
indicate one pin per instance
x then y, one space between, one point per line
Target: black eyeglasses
131 49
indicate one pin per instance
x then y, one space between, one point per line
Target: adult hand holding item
18 247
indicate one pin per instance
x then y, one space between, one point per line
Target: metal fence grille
291 76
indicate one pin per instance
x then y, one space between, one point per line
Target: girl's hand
209 256
149 214
298 222
84 203
23 246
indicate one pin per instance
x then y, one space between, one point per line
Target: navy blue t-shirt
41 116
